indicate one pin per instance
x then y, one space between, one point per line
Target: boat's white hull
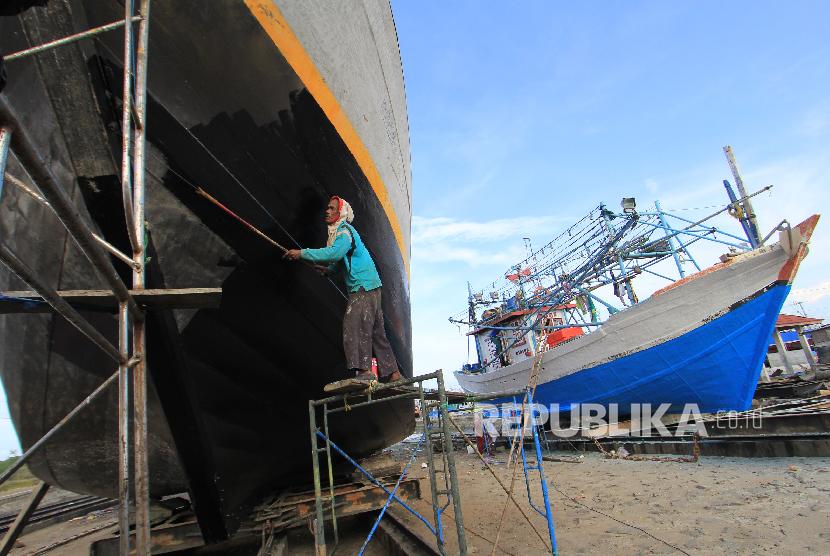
659 330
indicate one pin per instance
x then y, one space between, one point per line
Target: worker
363 331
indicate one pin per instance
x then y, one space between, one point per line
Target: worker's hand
292 255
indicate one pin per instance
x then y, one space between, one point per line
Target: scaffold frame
130 353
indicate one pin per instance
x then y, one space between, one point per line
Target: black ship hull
230 386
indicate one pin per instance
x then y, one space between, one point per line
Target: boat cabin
498 330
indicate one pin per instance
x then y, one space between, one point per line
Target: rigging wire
219 162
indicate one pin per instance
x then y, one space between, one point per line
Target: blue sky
525 115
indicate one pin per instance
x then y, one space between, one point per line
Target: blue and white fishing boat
700 340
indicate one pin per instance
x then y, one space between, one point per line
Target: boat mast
746 203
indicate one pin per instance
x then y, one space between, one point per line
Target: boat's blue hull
715 365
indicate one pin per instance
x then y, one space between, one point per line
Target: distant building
791 347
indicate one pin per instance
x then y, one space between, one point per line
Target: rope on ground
479 535
501 484
532 381
575 501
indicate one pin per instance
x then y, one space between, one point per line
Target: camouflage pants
363 334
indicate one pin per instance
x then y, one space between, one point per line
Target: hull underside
228 402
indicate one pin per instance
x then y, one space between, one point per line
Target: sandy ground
720 506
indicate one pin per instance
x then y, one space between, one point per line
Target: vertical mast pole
745 201
745 224
610 232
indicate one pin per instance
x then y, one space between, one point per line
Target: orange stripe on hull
277 28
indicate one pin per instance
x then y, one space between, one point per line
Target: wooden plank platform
182 298
347 385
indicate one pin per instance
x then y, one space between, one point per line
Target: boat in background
700 340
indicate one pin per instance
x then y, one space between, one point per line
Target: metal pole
610 231
545 496
60 305
126 126
805 347
5 142
320 527
671 239
63 206
22 518
58 426
739 182
433 486
782 351
331 474
124 432
34 195
454 492
142 473
733 199
66 40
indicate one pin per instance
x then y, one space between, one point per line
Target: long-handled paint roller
244 222
251 227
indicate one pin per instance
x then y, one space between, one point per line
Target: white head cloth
346 215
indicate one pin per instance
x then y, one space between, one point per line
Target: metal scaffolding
401 390
445 492
129 354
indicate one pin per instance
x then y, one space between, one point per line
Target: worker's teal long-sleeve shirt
359 268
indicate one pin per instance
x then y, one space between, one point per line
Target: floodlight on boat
629 205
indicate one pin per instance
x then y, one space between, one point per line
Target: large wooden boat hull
271 107
700 341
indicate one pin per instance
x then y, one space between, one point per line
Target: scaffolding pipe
22 271
126 127
450 463
55 429
5 142
124 431
370 478
142 473
37 197
433 483
319 524
66 40
23 517
63 206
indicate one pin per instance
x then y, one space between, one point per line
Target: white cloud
811 294
433 230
